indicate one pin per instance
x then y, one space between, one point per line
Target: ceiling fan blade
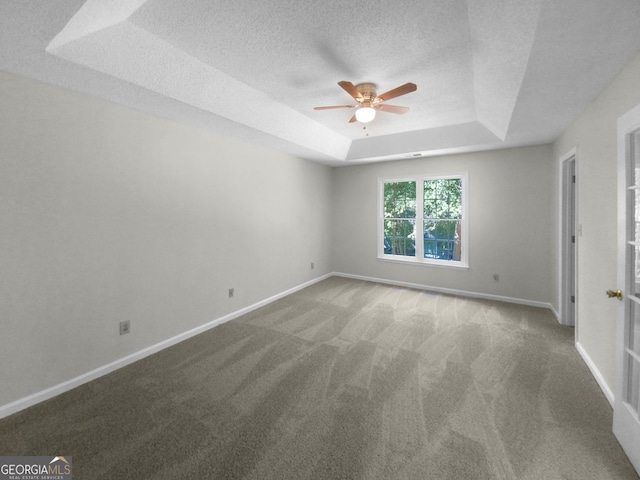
351 89
392 109
334 106
353 119
396 92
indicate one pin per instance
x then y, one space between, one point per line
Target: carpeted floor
343 380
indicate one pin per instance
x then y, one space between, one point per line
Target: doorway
568 241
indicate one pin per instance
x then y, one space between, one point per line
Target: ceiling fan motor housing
368 92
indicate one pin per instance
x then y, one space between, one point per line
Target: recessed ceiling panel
490 74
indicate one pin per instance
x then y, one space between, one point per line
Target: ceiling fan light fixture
365 114
369 101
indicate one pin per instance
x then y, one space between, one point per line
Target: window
434 206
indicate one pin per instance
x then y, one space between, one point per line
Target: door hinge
573 299
573 179
573 239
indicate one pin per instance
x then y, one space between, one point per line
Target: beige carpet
343 380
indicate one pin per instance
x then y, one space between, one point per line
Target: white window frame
419 257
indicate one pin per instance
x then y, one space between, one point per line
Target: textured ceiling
490 74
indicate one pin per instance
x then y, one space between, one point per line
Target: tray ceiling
490 74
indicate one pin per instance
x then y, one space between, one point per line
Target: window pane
635 148
634 382
634 253
634 328
400 200
443 198
442 214
442 239
400 237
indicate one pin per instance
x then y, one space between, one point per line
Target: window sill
424 263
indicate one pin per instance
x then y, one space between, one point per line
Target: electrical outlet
496 277
231 292
125 327
312 266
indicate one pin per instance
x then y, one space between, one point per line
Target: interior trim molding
451 291
604 386
567 227
55 390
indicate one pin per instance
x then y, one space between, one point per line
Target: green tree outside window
424 217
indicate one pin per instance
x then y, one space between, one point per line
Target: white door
626 424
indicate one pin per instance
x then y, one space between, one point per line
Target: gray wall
594 135
510 229
110 214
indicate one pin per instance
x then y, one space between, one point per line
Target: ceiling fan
368 101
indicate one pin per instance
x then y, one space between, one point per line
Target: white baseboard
449 291
604 386
21 404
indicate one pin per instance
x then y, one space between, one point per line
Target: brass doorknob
614 293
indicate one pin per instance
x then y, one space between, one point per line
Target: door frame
569 251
